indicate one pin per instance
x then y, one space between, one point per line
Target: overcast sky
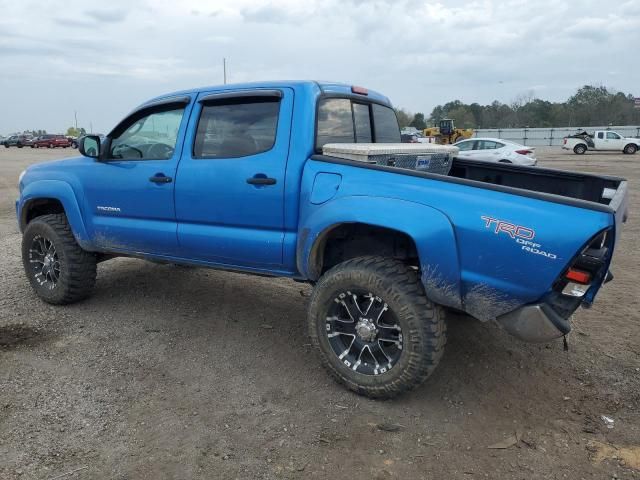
103 58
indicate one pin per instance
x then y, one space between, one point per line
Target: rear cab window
350 120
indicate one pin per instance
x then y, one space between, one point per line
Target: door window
465 146
486 145
612 136
150 137
238 127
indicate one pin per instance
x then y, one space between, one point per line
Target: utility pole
75 115
224 70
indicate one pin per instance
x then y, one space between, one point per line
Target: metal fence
548 136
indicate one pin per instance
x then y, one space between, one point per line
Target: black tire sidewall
579 149
39 227
403 375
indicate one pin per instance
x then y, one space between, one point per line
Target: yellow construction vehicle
447 133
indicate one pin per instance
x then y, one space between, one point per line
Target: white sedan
496 150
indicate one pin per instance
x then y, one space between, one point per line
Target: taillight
588 265
578 276
524 152
564 141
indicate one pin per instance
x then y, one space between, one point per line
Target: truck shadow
257 319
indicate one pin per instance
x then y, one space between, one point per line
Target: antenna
224 69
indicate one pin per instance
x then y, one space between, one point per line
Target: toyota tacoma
234 177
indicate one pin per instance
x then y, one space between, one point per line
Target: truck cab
609 140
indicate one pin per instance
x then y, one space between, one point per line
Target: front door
129 192
230 183
614 141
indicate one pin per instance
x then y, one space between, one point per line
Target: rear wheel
374 328
630 149
579 149
59 270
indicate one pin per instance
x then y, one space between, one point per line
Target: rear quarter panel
489 269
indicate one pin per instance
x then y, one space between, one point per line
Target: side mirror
89 146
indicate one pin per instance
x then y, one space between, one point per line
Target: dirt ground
174 373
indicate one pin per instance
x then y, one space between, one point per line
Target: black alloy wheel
363 332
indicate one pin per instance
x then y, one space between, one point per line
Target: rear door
230 182
487 150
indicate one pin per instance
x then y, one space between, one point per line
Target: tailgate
620 205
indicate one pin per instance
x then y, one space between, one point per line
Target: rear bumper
535 323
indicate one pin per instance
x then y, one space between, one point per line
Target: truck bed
581 186
596 192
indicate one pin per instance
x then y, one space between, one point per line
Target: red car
51 141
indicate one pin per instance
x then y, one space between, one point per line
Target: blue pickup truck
234 177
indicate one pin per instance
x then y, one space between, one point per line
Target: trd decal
522 235
514 231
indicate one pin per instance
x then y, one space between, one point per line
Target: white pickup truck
601 140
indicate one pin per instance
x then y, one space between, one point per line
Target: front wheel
630 149
579 149
59 270
375 330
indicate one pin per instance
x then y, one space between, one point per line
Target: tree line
590 106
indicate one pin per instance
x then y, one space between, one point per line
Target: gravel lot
169 372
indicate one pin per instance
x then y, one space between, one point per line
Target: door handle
160 178
261 181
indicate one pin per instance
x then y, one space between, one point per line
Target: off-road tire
579 149
77 267
422 323
630 149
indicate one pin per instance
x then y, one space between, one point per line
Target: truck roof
321 86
